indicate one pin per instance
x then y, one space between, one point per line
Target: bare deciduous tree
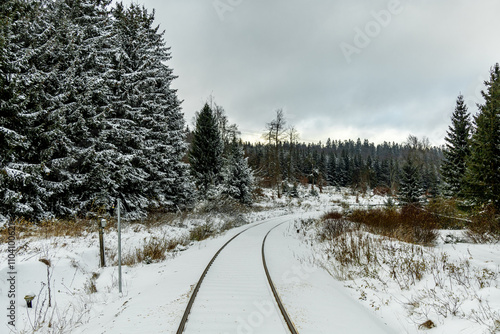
275 134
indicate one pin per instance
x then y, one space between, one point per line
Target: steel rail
284 313
182 325
184 319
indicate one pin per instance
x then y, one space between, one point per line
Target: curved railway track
285 317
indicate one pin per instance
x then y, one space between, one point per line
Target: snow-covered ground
85 298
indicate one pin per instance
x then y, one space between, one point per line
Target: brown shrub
382 191
410 224
446 212
201 232
484 226
332 228
152 251
332 215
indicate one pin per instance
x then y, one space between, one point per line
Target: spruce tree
457 150
384 176
87 110
332 171
410 184
483 165
73 100
12 140
238 177
344 169
205 155
22 189
145 125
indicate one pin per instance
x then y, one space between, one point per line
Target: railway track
235 293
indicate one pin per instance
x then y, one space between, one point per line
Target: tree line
360 165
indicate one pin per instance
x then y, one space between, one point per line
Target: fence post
119 249
102 224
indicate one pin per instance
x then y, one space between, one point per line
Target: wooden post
29 299
102 223
119 249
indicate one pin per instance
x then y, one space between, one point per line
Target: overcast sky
343 69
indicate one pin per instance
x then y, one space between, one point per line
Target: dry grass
410 224
50 228
152 250
358 254
201 232
90 286
333 228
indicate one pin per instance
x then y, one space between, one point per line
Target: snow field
155 295
456 286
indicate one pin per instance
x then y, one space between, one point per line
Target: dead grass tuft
153 250
201 232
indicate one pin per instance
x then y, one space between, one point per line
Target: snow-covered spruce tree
238 176
145 126
384 175
22 190
332 171
61 89
205 155
410 188
72 62
344 171
483 165
12 122
457 150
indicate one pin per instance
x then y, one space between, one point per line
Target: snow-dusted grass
451 286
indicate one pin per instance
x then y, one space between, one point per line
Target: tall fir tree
483 165
12 122
145 126
410 189
344 169
332 171
238 177
457 150
87 111
205 155
22 189
72 61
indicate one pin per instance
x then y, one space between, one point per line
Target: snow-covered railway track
235 293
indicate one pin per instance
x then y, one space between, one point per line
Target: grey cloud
286 53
